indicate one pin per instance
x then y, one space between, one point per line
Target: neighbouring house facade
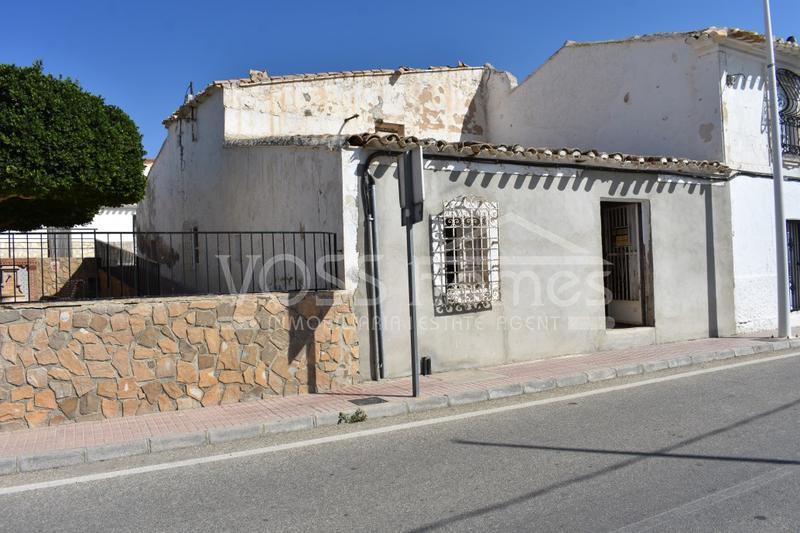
50 262
700 95
112 223
522 253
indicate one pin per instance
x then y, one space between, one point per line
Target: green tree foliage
64 153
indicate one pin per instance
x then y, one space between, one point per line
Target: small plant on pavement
358 416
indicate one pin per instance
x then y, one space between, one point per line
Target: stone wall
68 363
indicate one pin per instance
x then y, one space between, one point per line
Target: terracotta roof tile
563 156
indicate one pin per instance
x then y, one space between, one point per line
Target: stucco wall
650 96
551 265
446 104
747 148
188 165
754 250
218 171
745 111
663 95
200 181
109 220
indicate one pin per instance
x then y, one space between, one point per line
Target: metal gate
621 228
793 242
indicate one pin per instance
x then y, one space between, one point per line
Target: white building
42 263
112 223
514 242
699 95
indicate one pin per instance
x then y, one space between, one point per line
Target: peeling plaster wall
351 221
641 97
202 178
442 104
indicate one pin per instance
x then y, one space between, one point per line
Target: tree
64 153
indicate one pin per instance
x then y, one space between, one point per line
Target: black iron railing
793 248
790 135
789 86
75 265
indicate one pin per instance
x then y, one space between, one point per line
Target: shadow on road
601 451
637 457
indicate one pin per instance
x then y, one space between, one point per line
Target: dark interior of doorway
627 260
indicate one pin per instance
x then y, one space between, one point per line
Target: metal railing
789 84
790 135
75 265
793 249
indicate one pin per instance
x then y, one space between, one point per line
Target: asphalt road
716 452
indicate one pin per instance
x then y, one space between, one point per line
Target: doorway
627 256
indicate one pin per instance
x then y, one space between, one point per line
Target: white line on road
375 431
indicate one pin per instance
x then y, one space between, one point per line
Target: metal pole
376 275
412 310
782 265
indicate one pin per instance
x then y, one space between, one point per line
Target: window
464 240
59 242
793 245
789 109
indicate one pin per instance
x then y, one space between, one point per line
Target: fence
75 265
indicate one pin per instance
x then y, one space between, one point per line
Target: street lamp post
782 266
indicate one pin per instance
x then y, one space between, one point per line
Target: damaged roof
556 156
262 77
752 37
712 33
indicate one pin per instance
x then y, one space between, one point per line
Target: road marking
376 431
709 500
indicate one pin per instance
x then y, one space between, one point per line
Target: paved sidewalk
27 450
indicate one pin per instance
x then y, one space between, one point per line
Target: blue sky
141 55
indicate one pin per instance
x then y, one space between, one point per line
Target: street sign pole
412 310
412 194
782 266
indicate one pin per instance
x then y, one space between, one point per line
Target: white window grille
465 246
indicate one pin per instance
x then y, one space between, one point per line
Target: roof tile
511 153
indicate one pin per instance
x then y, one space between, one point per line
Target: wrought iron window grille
793 247
465 256
789 110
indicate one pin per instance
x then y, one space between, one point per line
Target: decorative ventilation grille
464 237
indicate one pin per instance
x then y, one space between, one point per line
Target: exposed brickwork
62 363
38 278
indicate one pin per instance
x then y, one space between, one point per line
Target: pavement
87 442
712 449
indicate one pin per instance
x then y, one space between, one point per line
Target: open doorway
627 258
